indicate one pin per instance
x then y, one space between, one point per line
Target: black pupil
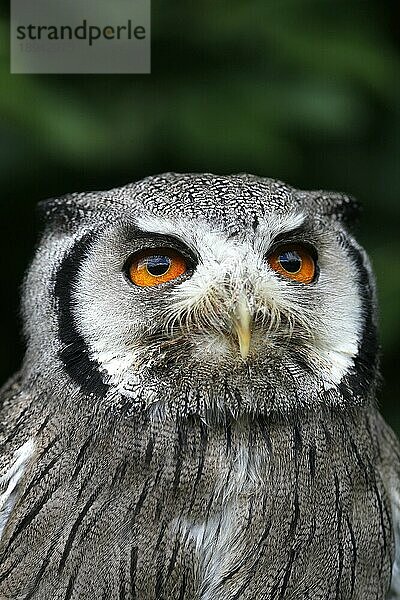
158 265
290 261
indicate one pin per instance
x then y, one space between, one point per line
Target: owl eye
293 261
153 266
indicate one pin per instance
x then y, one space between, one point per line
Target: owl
195 417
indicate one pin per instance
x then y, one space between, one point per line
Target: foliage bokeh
306 91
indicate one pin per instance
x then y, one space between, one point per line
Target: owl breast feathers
195 417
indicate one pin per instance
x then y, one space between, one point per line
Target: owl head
202 294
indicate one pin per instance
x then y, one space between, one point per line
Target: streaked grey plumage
146 453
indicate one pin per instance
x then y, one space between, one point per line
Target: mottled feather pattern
147 459
195 510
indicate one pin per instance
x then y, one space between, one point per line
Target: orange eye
156 265
293 261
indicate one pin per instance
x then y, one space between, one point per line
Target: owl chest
277 529
220 538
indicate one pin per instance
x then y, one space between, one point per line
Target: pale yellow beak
242 325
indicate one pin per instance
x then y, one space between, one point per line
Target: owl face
198 293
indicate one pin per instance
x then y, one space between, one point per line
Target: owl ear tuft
60 213
336 205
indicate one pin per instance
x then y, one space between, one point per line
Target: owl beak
242 326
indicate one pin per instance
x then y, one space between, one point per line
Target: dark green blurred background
304 91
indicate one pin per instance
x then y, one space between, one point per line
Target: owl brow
166 240
302 232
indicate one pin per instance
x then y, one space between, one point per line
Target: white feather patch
11 478
218 539
394 593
